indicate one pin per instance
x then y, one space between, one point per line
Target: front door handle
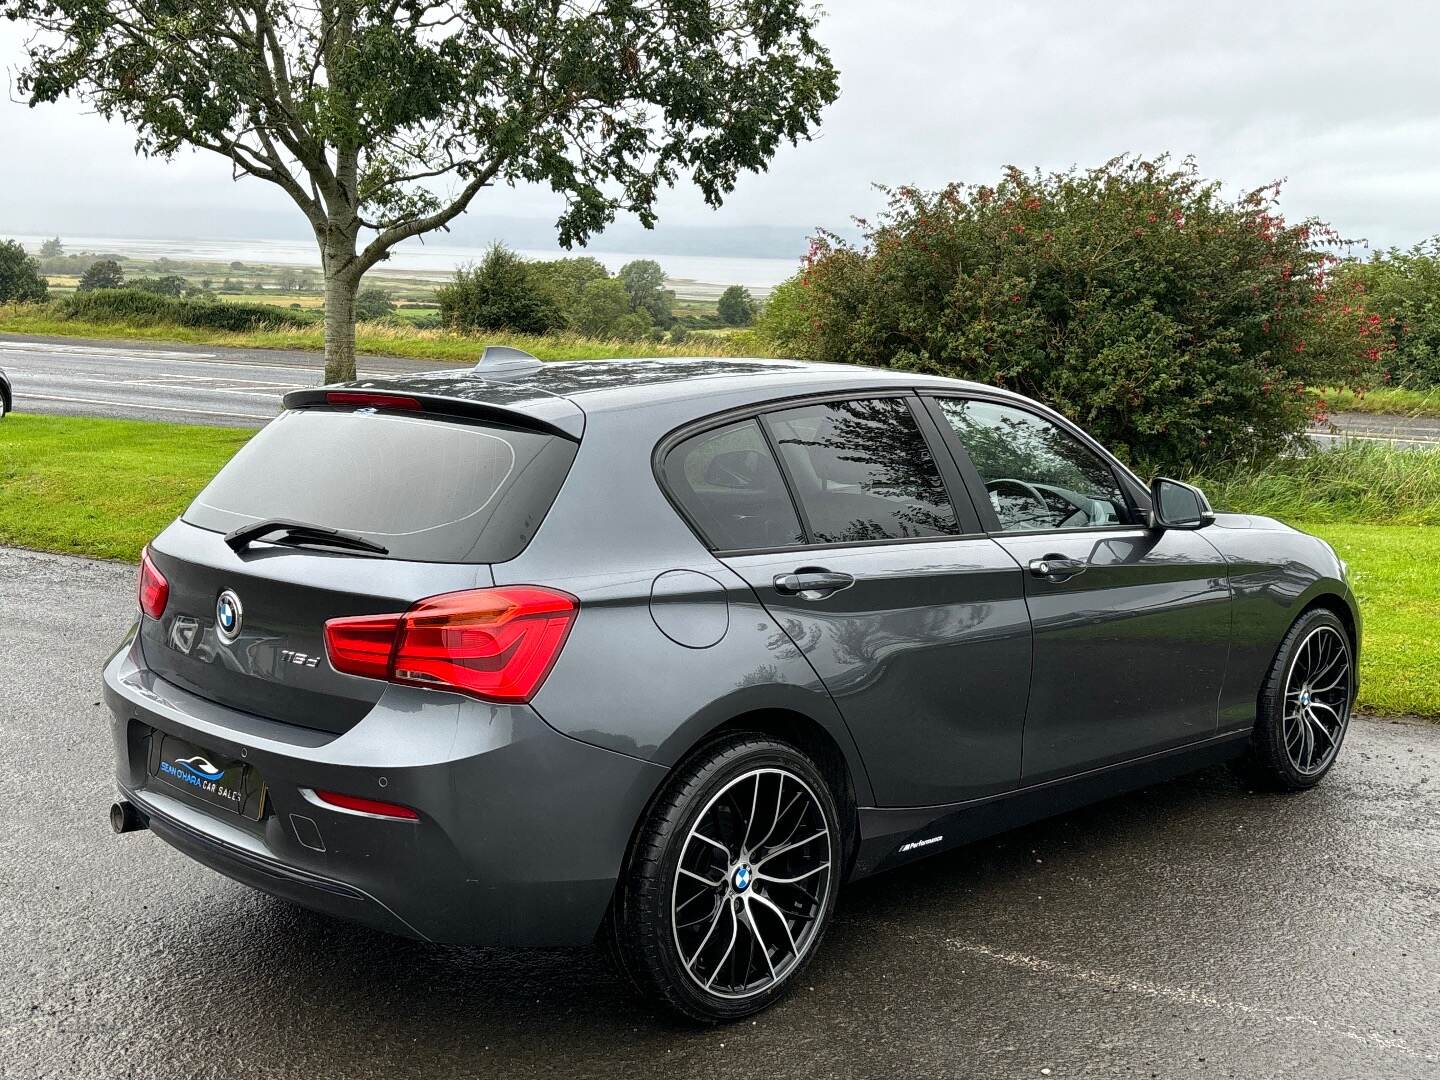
812 582
1056 567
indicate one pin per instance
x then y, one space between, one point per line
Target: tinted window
1038 475
862 471
428 489
729 485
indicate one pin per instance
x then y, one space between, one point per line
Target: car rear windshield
427 489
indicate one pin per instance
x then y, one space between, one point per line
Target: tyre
1304 705
731 881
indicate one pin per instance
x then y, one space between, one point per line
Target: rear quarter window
728 484
428 489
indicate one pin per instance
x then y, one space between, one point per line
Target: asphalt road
1195 929
178 383
243 387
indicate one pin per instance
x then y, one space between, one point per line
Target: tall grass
1390 400
1364 483
385 338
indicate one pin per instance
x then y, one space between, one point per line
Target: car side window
862 471
1037 475
727 481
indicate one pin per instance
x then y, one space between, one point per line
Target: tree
502 293
736 307
644 280
383 119
373 303
603 304
101 274
52 248
167 285
20 280
784 323
1182 327
1402 289
562 282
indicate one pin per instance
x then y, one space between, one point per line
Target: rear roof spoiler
537 412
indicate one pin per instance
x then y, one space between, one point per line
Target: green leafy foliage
166 285
784 322
602 306
644 280
510 293
373 303
141 308
20 279
365 112
736 307
1179 326
502 293
1403 288
102 274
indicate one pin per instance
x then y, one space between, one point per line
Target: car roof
594 386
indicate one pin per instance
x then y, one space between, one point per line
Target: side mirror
1174 505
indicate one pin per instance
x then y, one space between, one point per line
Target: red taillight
373 401
495 644
154 589
362 646
367 806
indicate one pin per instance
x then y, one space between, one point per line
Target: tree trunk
340 292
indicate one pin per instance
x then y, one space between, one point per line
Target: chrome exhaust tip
125 818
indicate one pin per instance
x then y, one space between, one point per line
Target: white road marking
100 350
143 407
1181 994
158 357
1347 436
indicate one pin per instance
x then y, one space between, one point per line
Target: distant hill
181 222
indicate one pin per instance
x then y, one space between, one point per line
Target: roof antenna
503 362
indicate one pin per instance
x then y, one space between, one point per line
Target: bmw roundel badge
228 614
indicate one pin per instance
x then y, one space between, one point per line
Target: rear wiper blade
298 532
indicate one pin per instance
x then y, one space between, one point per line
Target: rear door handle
812 582
1056 567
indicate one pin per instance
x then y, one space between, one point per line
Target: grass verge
1357 482
373 339
1387 401
101 487
105 487
1392 572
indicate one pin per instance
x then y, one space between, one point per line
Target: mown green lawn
1392 569
101 487
105 487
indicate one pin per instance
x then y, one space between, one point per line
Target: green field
375 339
105 487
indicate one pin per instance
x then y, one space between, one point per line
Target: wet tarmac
1194 929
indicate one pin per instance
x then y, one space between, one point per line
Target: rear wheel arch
804 733
816 742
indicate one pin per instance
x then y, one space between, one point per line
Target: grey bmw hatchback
662 652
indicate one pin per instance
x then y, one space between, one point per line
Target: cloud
1338 98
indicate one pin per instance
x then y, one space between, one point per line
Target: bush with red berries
1181 327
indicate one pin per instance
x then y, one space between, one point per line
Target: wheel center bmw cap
741 878
1304 697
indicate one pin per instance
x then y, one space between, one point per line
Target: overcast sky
1342 99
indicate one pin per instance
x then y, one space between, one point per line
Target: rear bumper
521 835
